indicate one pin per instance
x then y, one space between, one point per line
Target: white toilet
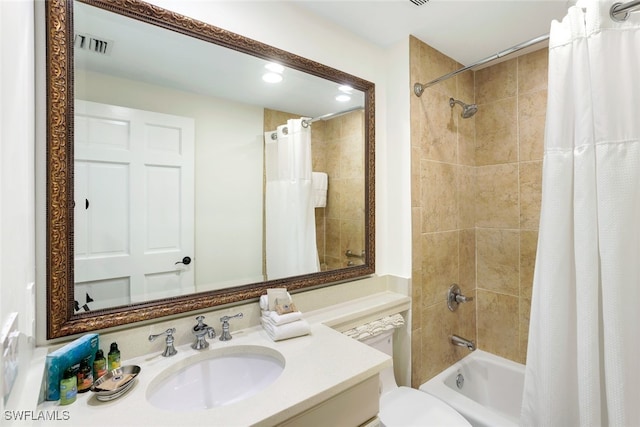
405 406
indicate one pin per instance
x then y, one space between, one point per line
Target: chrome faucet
463 342
201 332
169 350
226 335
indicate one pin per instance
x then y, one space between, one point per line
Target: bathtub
490 395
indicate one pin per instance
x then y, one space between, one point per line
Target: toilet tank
382 342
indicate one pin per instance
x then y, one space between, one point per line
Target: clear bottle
68 387
85 376
99 365
113 358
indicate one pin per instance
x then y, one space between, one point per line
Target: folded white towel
288 330
281 319
320 184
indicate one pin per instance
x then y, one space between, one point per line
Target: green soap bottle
99 365
68 387
113 358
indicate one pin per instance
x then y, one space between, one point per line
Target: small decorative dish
115 383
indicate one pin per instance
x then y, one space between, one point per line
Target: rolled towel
371 329
288 330
264 302
281 319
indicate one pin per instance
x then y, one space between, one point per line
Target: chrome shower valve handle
455 297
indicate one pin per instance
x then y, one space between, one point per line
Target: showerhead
468 110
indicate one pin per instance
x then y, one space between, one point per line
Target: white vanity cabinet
357 406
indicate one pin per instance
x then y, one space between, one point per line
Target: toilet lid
405 407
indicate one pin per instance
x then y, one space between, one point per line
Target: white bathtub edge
475 413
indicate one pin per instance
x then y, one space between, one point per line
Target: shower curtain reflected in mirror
582 361
290 232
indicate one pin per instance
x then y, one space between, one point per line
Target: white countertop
318 366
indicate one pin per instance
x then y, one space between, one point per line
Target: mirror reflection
199 168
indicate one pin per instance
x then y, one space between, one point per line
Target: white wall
17 141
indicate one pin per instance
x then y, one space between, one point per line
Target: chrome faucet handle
169 350
455 297
226 335
202 331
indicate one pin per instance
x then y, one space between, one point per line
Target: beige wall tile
437 351
528 248
498 261
496 132
497 196
466 197
533 71
333 235
433 65
532 109
416 299
440 141
439 196
352 200
530 194
416 172
496 82
523 332
498 324
494 192
351 238
466 86
416 238
467 260
439 265
417 365
466 141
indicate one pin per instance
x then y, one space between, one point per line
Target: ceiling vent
419 2
93 44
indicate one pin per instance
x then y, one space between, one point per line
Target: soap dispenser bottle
85 376
99 365
113 358
68 387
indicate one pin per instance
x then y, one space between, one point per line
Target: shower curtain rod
418 88
618 12
307 123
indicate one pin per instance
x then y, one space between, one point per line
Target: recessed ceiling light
272 78
345 89
276 68
343 98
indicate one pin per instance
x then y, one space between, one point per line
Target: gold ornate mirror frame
62 320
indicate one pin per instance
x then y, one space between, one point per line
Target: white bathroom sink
215 378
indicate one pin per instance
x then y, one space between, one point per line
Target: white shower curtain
289 210
583 360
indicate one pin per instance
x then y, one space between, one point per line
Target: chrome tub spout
462 342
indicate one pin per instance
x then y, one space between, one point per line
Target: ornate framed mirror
90 227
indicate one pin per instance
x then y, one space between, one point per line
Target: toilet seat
405 407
